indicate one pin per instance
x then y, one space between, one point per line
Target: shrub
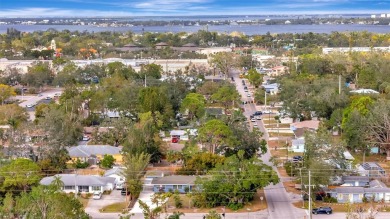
80 165
178 202
108 161
330 200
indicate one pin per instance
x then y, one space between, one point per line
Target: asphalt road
36 99
279 203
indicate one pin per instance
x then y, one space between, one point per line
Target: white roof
365 91
177 132
348 156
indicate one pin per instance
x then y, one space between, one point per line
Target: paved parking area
94 205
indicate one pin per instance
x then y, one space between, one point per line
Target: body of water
246 29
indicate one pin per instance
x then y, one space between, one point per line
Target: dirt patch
290 187
282 172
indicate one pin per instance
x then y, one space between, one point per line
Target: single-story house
94 153
298 145
180 183
355 181
376 190
183 134
278 70
161 45
82 183
371 169
347 194
116 173
272 89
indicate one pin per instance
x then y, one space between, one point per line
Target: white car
97 195
85 138
258 117
253 120
248 95
29 106
255 124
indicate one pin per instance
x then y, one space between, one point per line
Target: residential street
279 203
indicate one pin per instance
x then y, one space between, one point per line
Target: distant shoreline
247 29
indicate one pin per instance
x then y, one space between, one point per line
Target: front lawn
116 207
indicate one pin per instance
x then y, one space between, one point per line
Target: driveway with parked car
94 205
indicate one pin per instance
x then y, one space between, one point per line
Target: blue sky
40 8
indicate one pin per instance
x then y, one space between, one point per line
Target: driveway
145 196
94 205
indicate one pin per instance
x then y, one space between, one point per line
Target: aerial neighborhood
198 125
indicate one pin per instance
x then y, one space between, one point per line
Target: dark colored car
297 158
322 210
258 113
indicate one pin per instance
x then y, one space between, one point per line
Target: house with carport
181 183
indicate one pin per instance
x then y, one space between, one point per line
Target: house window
68 187
96 188
83 189
174 187
179 187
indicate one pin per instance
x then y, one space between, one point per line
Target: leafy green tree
46 202
223 61
151 70
20 174
7 209
195 104
245 177
66 75
376 129
226 95
38 75
254 77
108 161
6 92
200 163
214 134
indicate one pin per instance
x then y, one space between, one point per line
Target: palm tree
176 215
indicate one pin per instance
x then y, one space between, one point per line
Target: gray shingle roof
88 150
174 180
79 180
356 178
118 171
349 190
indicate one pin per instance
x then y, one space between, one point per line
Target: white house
298 145
118 174
82 183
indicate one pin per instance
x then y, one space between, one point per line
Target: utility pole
310 195
339 84
145 80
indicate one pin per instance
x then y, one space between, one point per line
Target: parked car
253 120
258 113
29 106
297 158
248 95
258 117
255 124
322 210
48 98
85 138
97 195
40 95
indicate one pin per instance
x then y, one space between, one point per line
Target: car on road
48 98
258 117
258 113
40 95
255 124
97 195
297 159
253 120
322 210
29 106
248 95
